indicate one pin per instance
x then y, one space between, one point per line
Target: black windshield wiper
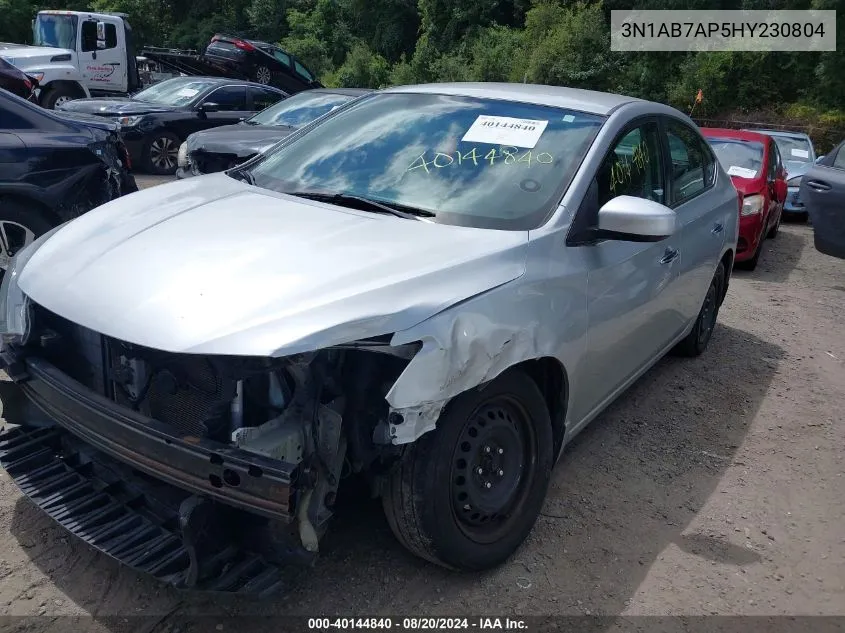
409 213
244 176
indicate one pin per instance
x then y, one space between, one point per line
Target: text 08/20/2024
418 624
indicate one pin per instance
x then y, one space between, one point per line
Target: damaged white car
436 287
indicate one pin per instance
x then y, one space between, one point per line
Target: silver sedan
437 285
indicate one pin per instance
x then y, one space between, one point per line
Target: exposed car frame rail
238 478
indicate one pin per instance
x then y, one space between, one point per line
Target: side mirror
209 107
819 159
631 219
781 190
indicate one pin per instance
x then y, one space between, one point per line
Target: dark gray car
823 193
219 149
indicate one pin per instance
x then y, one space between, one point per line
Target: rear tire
697 340
467 494
262 75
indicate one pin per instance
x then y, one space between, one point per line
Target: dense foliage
379 42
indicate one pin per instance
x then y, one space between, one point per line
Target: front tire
161 153
19 227
467 494
697 340
751 264
57 95
773 232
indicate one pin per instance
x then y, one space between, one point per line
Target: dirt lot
714 486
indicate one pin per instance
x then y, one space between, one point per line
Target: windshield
477 162
794 150
173 92
299 109
738 158
58 31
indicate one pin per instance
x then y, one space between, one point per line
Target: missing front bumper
190 512
235 477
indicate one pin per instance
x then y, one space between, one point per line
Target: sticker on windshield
742 172
503 130
800 153
568 118
187 92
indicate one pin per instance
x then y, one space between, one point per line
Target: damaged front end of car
102 175
208 472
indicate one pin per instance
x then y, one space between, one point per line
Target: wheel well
727 262
60 83
551 379
26 201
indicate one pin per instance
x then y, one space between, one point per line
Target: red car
753 162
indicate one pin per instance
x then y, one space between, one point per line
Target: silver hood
213 265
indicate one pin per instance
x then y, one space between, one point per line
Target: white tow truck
77 54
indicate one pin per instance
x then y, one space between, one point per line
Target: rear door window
302 71
262 98
839 159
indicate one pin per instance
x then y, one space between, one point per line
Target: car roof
786 133
218 81
589 101
739 135
352 92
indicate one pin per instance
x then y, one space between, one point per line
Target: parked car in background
823 193
437 287
17 82
753 162
155 121
261 62
229 145
53 168
798 154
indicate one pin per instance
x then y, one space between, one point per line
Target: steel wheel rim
61 101
492 469
164 153
13 237
262 74
708 316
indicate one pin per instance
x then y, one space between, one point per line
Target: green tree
569 46
362 68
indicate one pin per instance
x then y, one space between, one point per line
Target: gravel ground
714 486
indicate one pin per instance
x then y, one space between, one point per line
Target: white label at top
741 172
800 153
504 130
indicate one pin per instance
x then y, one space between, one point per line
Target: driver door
102 55
630 285
230 106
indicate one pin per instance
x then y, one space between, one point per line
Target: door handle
818 185
717 228
670 255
